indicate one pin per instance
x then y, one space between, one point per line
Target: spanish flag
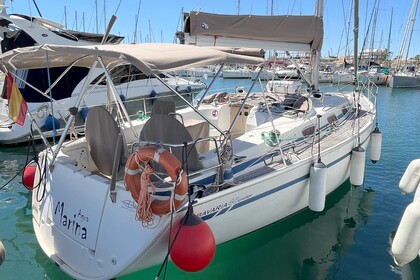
16 103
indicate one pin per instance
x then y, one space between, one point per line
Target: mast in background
65 17
410 23
136 23
96 10
389 37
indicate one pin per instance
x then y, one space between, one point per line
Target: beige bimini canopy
293 33
149 58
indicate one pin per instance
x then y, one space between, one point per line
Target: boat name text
72 223
223 206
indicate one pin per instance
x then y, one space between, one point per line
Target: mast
96 9
389 37
65 17
272 7
316 55
104 14
372 37
136 19
83 22
411 20
356 38
75 18
150 32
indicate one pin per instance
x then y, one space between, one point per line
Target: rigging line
90 20
11 179
36 6
172 242
196 6
252 6
136 23
205 2
366 34
118 7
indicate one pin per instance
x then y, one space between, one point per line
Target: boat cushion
168 130
101 132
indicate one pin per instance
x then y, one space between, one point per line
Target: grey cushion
169 130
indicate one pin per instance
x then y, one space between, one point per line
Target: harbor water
350 239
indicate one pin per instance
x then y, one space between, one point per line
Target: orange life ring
161 204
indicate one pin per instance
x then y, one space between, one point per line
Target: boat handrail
186 144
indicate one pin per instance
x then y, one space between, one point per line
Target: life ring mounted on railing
137 181
42 111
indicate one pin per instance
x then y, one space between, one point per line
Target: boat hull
402 81
91 242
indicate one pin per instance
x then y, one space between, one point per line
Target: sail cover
282 32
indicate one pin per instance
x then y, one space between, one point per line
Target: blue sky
160 19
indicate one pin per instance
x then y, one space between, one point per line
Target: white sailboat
51 106
132 193
406 76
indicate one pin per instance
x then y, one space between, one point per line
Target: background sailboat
406 75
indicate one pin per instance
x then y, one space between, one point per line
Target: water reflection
24 258
307 245
410 271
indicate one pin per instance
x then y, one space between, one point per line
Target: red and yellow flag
16 103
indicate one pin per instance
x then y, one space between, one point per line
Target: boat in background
266 74
290 72
378 75
404 79
180 181
343 76
236 72
406 76
49 109
325 74
198 73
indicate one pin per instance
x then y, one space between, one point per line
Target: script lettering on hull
72 223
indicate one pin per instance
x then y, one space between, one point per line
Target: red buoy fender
194 246
171 165
28 177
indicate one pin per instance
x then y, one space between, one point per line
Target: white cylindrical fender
375 145
357 166
411 177
417 193
2 253
317 186
406 243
